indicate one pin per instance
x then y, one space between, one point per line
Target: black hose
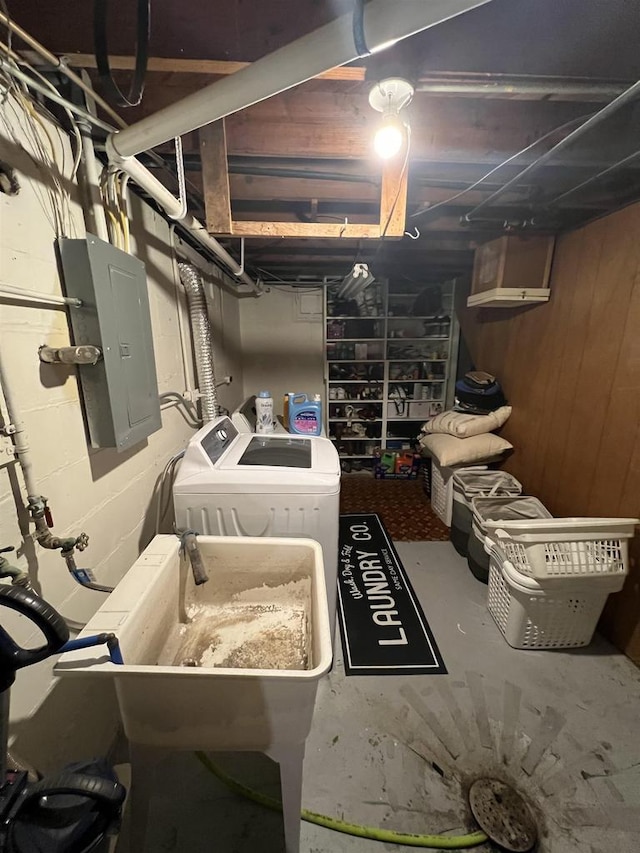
101 47
359 39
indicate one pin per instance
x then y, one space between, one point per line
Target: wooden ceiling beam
434 83
245 228
215 67
341 125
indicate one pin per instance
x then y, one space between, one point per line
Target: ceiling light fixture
389 97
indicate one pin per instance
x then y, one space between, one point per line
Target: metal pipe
95 216
202 345
61 66
18 434
602 174
172 206
10 69
628 95
199 231
327 47
519 86
46 299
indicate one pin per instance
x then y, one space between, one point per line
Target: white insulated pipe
96 220
173 207
332 45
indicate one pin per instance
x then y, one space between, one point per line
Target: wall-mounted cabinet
512 270
390 364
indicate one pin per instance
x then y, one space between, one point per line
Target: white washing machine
232 483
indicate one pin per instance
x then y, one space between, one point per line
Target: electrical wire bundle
26 124
113 189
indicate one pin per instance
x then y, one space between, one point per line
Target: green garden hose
435 842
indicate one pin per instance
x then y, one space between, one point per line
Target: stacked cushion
453 438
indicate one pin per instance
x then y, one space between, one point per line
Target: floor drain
503 815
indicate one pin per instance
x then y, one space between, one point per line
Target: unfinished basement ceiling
306 155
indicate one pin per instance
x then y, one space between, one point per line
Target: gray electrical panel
120 392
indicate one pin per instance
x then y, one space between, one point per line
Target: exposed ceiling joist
209 67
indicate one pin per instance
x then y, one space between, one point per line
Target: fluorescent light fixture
355 282
389 97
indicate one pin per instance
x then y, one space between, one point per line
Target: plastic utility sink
232 664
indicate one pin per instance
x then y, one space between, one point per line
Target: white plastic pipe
173 207
95 215
385 22
20 439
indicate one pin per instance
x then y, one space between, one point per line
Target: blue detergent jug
305 415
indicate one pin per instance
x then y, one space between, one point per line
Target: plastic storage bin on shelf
561 615
442 488
468 484
559 548
502 509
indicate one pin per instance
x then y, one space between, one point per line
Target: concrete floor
399 752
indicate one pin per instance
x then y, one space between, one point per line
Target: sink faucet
189 546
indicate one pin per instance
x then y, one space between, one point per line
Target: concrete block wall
106 494
282 351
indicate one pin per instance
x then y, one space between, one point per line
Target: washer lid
267 451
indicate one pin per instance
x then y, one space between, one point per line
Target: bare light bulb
388 139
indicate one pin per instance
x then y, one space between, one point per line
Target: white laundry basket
561 548
502 509
468 484
442 488
559 616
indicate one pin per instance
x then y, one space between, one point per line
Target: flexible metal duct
201 330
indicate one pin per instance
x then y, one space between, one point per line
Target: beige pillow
464 426
448 450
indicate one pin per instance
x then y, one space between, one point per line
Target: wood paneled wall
571 370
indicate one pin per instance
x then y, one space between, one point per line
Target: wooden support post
393 198
215 178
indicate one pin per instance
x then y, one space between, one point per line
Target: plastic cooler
442 488
560 615
501 510
468 484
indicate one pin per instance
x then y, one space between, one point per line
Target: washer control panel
217 440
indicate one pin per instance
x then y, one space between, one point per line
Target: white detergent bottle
305 416
264 413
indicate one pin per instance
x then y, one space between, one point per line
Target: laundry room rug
383 628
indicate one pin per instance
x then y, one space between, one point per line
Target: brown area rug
402 505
